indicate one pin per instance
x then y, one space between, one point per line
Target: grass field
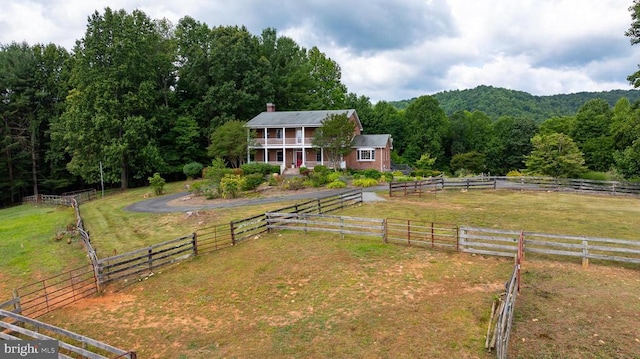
29 248
294 295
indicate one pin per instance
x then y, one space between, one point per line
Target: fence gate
43 296
422 233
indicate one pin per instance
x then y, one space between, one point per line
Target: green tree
469 132
510 144
229 141
563 124
111 112
335 136
591 134
555 155
289 70
426 129
634 36
473 162
328 91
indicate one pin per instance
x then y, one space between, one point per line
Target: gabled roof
372 141
297 118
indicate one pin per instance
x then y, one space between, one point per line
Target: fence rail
42 297
213 238
505 243
71 345
419 188
61 200
146 260
326 223
422 233
522 183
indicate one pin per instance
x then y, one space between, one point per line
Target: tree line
137 96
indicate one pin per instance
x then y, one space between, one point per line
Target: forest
136 96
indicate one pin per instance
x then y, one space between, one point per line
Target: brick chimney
271 107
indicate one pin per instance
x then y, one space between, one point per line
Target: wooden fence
421 233
145 260
567 184
418 188
505 243
522 183
61 200
42 297
257 225
326 223
71 345
213 238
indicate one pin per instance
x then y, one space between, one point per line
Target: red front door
298 159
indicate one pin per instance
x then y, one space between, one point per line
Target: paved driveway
160 204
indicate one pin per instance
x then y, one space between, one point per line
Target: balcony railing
279 142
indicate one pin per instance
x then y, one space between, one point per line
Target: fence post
585 253
467 184
457 238
150 258
342 227
233 235
16 305
432 237
385 230
408 232
194 243
319 207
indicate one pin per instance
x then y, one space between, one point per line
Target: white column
304 149
248 149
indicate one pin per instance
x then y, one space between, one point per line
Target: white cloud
405 48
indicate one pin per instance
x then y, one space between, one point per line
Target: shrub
333 176
304 171
594 176
252 181
372 173
365 182
293 183
318 179
192 170
157 183
514 173
356 176
388 176
230 185
424 173
336 184
320 169
259 167
275 180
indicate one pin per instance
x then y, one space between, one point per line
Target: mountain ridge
498 101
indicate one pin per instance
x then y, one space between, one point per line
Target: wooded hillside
496 102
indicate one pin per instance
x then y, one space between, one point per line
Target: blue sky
399 49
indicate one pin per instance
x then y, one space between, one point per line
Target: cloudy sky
399 49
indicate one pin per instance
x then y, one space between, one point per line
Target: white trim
370 157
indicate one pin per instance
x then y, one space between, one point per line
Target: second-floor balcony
280 142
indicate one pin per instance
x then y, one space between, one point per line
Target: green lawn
28 246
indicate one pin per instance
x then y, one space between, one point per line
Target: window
318 156
366 155
279 157
279 133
